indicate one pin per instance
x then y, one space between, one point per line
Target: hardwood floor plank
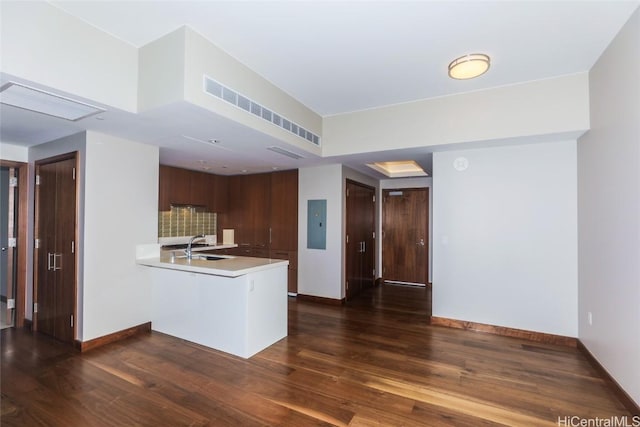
369 363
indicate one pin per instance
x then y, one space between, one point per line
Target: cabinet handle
269 235
50 261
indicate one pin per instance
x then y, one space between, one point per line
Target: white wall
505 233
121 211
609 212
552 106
161 71
319 271
43 44
14 153
397 183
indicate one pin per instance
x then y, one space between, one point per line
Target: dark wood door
360 242
405 250
55 253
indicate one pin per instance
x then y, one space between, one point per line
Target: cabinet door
218 193
258 194
284 210
237 213
199 189
164 198
292 274
175 186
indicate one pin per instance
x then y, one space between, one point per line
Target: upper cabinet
173 187
263 210
187 187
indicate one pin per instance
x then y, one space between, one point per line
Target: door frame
72 155
22 252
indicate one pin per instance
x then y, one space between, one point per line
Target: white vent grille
40 101
220 91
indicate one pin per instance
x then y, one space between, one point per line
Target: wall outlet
590 318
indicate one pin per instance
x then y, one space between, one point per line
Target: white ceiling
337 57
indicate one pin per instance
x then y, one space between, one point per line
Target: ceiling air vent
229 95
285 152
40 101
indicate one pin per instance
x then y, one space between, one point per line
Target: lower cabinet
292 256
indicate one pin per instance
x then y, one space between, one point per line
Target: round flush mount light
469 66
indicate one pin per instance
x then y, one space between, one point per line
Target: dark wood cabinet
218 192
292 276
174 187
261 208
284 211
258 220
237 214
187 187
263 211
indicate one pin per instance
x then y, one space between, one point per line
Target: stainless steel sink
209 257
201 257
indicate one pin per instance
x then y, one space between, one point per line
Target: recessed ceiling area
399 168
333 57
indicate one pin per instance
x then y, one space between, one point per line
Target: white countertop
230 266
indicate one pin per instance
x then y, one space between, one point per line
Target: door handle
364 247
421 242
57 267
52 261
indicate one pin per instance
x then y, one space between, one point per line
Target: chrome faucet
188 250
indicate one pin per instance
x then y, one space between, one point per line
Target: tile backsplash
186 221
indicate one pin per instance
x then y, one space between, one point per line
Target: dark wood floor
370 363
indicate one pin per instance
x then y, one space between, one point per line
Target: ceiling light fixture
469 66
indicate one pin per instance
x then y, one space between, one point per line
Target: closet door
360 243
44 311
56 261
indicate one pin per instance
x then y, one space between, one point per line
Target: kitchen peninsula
230 303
